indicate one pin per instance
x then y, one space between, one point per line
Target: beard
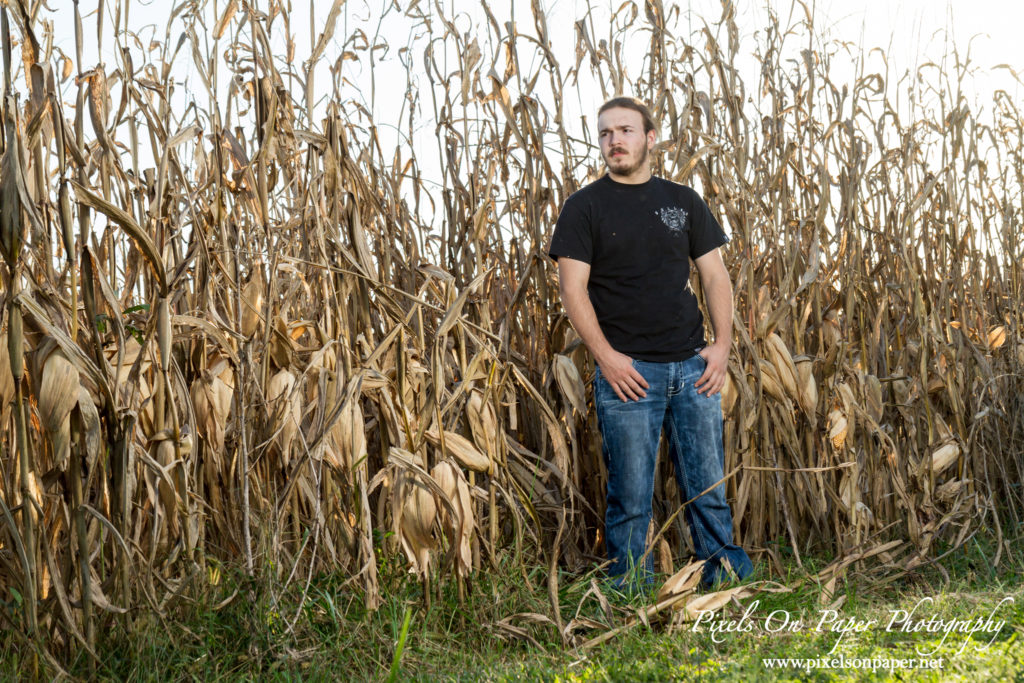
621 165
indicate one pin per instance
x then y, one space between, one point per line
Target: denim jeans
630 434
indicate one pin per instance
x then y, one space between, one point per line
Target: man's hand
627 382
713 379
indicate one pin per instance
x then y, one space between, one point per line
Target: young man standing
623 245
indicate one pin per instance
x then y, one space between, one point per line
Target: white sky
910 32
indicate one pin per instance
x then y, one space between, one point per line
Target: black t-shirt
638 240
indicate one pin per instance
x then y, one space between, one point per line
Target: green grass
333 637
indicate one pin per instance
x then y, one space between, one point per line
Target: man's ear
651 137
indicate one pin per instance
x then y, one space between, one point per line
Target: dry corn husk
873 401
211 398
460 529
483 423
665 565
714 601
252 304
131 352
771 382
808 387
831 331
282 346
947 493
849 492
683 581
351 431
58 395
58 390
167 485
568 379
782 362
729 394
90 425
849 407
996 337
329 392
285 406
415 512
141 387
944 456
837 429
462 449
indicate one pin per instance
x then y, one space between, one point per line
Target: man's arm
714 279
617 367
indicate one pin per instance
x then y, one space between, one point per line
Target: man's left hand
717 358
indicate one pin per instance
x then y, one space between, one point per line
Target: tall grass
263 348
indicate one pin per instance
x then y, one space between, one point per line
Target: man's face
624 145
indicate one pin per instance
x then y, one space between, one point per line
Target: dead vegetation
262 348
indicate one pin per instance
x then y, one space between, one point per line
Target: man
623 245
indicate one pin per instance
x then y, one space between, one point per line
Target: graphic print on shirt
674 218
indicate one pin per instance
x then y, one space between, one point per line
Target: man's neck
636 178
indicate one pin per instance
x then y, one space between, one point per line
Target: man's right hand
627 382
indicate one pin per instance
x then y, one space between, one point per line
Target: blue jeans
630 434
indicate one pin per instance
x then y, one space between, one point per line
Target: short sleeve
705 231
573 237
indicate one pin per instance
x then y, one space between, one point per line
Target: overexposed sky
910 32
907 33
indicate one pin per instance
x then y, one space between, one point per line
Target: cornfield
281 341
